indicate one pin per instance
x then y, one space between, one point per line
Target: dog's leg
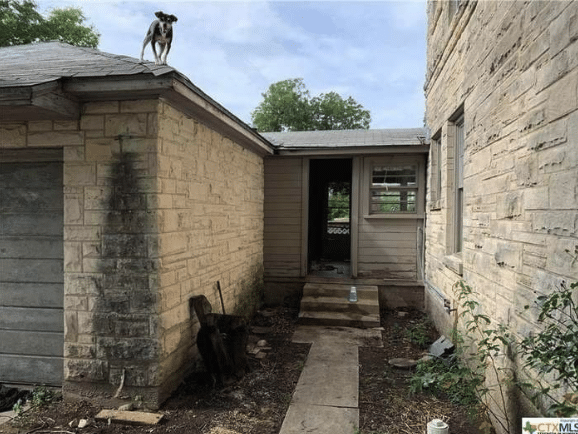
157 60
166 52
144 45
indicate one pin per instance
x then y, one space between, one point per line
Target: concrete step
339 319
328 304
339 304
364 292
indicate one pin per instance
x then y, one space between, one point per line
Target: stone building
502 110
124 191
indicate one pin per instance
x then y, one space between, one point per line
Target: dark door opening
329 247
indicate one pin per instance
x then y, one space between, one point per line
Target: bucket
437 426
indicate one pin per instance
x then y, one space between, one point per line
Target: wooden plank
32 294
31 247
31 369
390 260
387 245
31 319
383 253
129 417
32 270
281 244
31 224
32 343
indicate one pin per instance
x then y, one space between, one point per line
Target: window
459 185
393 189
436 172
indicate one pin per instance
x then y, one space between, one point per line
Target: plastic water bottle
353 294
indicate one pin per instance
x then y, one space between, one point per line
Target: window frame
436 158
455 139
394 161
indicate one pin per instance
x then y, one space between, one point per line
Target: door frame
354 212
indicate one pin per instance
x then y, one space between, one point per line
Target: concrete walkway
325 400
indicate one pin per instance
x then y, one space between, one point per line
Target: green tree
21 23
287 106
331 112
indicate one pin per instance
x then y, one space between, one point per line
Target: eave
38 102
178 92
353 150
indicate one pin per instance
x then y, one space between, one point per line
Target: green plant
463 377
450 378
553 353
419 333
42 396
487 344
18 408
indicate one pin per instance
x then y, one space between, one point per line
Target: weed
463 377
553 353
449 378
42 396
18 408
419 333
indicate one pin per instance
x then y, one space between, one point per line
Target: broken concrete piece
130 417
262 343
402 363
442 347
127 407
261 330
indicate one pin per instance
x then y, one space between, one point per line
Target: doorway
329 238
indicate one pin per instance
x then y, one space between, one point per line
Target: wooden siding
388 248
31 278
283 217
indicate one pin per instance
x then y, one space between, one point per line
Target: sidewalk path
325 400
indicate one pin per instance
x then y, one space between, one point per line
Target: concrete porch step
339 319
328 304
364 292
339 304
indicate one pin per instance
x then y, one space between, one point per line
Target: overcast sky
233 50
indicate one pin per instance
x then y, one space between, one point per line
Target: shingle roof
347 138
25 65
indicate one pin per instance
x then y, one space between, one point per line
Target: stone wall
157 208
511 69
110 253
210 221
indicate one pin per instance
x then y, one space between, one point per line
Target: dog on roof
161 32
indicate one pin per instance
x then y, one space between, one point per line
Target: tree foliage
287 106
21 23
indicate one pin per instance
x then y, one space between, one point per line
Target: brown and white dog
161 32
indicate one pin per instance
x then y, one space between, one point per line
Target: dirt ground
257 404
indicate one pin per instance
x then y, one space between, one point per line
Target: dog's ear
159 14
172 18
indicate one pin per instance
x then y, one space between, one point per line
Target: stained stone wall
210 222
511 69
157 208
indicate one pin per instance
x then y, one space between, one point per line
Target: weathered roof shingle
347 138
26 65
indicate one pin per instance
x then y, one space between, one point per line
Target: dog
161 32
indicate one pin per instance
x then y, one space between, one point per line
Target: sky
372 51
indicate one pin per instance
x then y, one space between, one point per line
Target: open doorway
329 249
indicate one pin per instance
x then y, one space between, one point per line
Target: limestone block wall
210 223
511 69
110 254
157 208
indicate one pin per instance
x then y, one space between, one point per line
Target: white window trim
370 162
453 259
